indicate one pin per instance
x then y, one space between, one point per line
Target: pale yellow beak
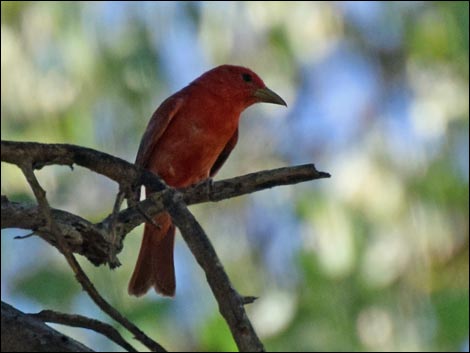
267 96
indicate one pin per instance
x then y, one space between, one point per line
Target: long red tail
155 265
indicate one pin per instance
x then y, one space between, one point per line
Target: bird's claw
207 185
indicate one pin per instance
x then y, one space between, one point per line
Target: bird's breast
189 148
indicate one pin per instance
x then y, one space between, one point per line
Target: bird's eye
247 77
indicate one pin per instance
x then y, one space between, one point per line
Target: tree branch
84 322
94 241
249 183
230 302
82 236
23 333
130 177
117 169
80 275
220 190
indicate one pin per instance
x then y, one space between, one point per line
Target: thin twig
115 239
148 219
248 299
88 286
84 322
80 275
219 190
25 236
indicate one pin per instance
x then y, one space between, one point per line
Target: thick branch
102 163
81 236
23 333
230 302
126 173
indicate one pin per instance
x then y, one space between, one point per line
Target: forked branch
106 237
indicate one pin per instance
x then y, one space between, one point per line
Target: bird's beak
267 96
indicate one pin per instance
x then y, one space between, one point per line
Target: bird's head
238 84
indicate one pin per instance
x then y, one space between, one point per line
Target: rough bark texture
23 333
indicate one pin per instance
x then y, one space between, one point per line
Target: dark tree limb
82 236
124 173
130 177
92 241
23 333
230 302
249 183
84 322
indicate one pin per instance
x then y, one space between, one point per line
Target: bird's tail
155 265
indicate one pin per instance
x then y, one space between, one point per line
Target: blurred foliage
40 284
375 258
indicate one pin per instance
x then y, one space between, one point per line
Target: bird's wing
159 122
224 154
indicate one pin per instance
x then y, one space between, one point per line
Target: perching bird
187 140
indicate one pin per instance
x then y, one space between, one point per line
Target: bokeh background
375 258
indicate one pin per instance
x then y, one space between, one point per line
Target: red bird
187 140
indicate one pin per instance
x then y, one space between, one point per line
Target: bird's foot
206 186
